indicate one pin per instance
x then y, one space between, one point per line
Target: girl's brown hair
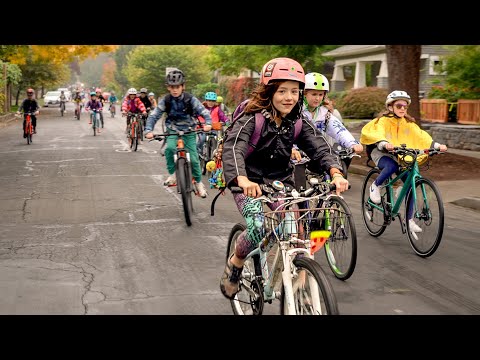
261 99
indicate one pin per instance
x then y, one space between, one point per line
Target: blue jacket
177 116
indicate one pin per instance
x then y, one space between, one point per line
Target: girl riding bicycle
393 128
216 113
279 98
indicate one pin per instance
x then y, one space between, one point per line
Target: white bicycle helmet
316 81
397 95
132 91
151 94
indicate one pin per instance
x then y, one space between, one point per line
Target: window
435 65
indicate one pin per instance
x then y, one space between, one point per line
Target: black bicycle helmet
175 77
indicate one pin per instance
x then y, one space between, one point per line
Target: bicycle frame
285 255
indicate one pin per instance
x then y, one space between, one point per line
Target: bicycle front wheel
341 247
185 188
372 214
313 293
428 214
212 145
249 300
133 136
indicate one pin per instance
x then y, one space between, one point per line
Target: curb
5 120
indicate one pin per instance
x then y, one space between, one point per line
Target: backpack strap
259 121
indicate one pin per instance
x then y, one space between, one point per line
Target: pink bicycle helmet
283 69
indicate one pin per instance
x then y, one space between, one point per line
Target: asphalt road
88 228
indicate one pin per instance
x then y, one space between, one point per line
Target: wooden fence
434 110
468 112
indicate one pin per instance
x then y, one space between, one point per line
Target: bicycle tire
29 134
244 303
373 218
62 109
326 294
184 189
426 219
94 124
211 148
134 136
343 238
202 156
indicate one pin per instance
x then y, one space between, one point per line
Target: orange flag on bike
318 238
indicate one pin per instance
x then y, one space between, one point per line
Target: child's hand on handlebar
358 148
250 188
149 135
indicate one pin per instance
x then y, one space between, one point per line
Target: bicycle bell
278 185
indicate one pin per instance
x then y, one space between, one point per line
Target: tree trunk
18 95
404 73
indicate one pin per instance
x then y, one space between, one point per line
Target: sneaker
24 135
229 282
375 194
201 189
170 181
414 228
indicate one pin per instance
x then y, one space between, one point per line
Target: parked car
51 98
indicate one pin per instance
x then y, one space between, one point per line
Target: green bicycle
424 205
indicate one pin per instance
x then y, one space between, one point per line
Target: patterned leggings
252 211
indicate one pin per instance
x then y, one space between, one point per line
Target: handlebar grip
236 189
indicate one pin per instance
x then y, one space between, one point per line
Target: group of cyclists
284 96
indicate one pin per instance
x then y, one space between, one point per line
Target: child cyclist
132 103
279 97
180 108
94 104
315 101
393 128
29 105
216 113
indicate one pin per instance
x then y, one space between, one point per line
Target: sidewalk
464 193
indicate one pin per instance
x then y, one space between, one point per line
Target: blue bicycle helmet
211 96
93 93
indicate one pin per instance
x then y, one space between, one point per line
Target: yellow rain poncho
396 132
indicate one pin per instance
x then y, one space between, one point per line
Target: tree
463 67
146 65
403 63
232 59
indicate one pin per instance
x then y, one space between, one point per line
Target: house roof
348 50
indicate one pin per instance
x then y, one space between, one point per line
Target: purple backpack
259 121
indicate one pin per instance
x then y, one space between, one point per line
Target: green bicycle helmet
93 93
211 96
316 81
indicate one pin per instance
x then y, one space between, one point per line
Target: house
358 66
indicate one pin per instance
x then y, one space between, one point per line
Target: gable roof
348 50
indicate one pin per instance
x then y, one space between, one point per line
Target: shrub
452 93
362 103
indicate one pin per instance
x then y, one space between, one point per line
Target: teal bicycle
424 204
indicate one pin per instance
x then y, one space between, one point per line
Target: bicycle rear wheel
313 293
341 247
372 214
249 300
428 214
212 145
184 185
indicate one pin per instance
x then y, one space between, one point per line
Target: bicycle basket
308 228
217 126
407 160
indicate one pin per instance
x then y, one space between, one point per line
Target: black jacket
146 101
270 160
